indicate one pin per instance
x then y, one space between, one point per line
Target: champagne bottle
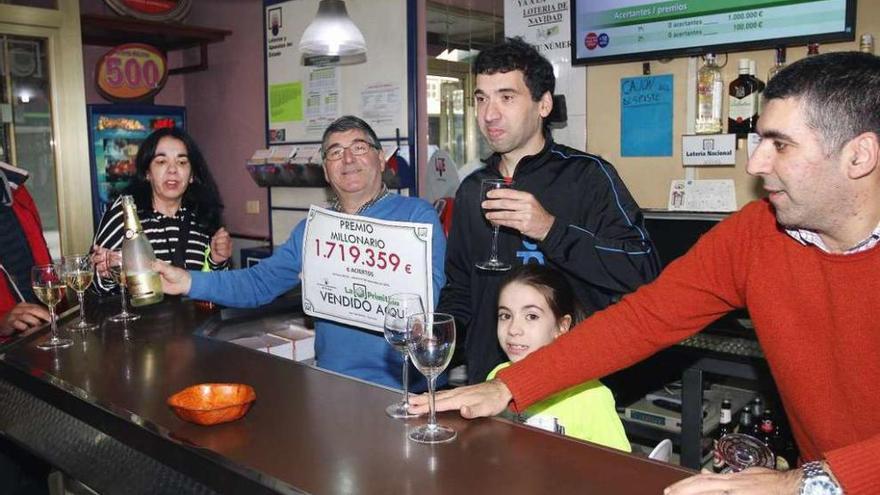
142 281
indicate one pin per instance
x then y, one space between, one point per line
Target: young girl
535 305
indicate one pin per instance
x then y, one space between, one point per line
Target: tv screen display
617 30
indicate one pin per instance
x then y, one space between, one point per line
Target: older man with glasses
353 165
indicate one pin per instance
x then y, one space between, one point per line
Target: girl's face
170 172
525 321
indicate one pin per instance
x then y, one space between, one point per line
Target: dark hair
552 285
201 197
347 123
516 54
840 93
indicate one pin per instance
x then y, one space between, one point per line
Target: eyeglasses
358 147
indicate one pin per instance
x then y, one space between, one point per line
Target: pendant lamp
332 33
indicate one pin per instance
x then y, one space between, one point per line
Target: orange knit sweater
816 315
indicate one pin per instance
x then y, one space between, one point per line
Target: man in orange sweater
804 261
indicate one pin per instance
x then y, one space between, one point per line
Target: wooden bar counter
97 411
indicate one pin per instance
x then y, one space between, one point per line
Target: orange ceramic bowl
213 403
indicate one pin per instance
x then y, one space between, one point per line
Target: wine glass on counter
78 274
493 263
117 273
431 342
48 286
400 307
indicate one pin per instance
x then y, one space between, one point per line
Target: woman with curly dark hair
178 205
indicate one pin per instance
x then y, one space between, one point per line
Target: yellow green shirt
586 411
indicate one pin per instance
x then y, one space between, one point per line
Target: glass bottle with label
725 427
866 43
142 281
743 102
753 73
710 89
780 63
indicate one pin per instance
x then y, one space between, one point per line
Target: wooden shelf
104 30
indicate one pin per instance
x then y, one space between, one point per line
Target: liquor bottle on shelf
812 49
753 73
767 431
725 427
757 406
780 63
866 43
710 89
142 281
742 113
745 422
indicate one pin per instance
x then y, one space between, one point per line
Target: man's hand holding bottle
174 280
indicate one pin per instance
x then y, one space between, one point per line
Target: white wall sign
708 149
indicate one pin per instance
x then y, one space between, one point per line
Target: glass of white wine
117 273
493 264
78 274
49 288
431 342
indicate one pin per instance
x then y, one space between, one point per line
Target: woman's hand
101 258
221 246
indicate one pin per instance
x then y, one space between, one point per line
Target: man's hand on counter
752 481
474 401
174 280
21 317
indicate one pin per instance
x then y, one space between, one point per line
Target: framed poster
115 134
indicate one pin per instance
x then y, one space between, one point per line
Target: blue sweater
341 348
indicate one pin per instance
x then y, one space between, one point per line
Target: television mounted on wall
606 31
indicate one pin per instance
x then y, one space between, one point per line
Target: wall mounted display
115 133
612 30
131 72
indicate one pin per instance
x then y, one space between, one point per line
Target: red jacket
816 315
32 228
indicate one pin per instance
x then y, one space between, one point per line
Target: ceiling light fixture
332 33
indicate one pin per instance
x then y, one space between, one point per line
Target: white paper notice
702 195
322 99
380 103
351 264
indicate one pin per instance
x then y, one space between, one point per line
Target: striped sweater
163 232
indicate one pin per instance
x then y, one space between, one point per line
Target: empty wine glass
431 342
493 263
399 308
78 274
117 273
49 289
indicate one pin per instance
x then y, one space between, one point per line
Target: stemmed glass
399 308
493 263
49 289
431 342
117 273
78 274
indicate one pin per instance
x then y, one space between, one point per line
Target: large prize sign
351 264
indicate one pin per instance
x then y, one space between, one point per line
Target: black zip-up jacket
598 241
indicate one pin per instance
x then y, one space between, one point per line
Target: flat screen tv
619 30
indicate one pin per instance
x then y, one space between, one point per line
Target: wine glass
117 273
493 263
78 273
399 308
431 342
49 289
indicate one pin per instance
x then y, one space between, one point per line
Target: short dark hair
347 123
202 196
516 54
840 93
552 284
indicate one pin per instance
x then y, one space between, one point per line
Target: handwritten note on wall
646 116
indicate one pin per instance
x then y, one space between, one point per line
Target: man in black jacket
568 209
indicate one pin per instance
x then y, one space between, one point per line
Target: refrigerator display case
115 134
